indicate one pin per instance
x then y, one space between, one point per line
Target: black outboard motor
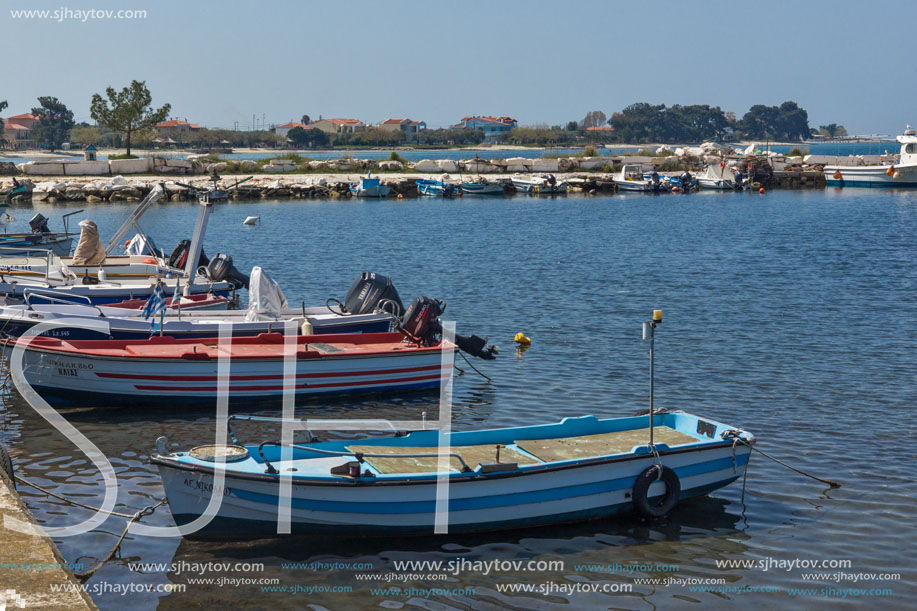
39 224
371 291
220 268
421 325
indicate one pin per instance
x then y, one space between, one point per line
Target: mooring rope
735 435
475 368
131 518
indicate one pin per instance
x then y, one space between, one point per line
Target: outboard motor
371 291
421 324
179 256
220 268
39 224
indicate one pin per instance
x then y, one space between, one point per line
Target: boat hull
481 189
191 378
871 176
521 498
27 248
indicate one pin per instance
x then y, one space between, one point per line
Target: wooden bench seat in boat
602 444
472 455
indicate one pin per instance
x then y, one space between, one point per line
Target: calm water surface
790 314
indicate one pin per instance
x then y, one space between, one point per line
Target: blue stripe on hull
488 502
236 527
832 182
65 397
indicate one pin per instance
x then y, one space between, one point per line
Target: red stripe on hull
232 389
213 378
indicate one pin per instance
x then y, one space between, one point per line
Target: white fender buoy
251 220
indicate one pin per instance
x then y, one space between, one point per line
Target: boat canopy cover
89 250
265 299
140 245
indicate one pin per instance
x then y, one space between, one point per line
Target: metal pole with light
649 333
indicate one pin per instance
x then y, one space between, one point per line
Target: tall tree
594 118
305 120
130 110
311 137
54 122
3 106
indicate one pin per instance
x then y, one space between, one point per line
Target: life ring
641 488
837 175
6 464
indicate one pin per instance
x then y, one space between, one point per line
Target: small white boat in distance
630 178
901 173
251 220
545 185
720 178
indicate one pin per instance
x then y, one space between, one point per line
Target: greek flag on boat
156 304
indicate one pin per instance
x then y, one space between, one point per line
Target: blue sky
219 63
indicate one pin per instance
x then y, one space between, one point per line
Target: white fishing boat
630 178
545 184
94 273
721 178
898 173
165 372
577 469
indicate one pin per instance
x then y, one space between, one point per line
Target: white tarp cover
140 246
265 299
89 250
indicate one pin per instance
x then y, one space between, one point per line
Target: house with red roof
407 126
493 127
283 130
339 126
17 131
176 130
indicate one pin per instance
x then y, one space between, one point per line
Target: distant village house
339 126
408 127
175 130
493 127
17 131
283 130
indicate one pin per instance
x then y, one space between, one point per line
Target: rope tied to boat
735 433
652 446
131 518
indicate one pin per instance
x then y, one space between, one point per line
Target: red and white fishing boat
203 301
166 372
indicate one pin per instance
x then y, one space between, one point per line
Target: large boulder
391 165
248 166
42 168
217 167
86 168
144 165
447 165
426 165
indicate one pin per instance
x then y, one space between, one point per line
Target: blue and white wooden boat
369 187
578 469
435 188
481 187
631 178
900 173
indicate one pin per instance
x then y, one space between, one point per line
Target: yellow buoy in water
522 339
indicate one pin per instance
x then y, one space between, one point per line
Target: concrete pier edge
34 586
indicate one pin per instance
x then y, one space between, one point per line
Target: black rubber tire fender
641 488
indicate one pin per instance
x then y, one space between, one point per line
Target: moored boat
165 372
899 173
577 469
546 184
481 186
435 188
369 187
630 178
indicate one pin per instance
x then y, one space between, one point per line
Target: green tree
785 122
832 130
595 118
85 135
54 122
3 106
572 126
307 137
130 110
305 120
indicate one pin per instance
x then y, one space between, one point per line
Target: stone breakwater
314 186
